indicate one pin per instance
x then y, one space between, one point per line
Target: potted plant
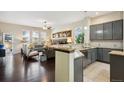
80 38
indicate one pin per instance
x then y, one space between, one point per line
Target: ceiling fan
46 26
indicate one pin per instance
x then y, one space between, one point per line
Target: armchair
28 52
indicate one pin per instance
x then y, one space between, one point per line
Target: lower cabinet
99 54
78 70
103 54
117 68
85 58
93 55
90 56
106 56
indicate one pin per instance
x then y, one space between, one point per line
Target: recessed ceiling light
85 27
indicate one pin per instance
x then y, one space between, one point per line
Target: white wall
74 25
107 17
16 31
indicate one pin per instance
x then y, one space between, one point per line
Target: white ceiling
54 18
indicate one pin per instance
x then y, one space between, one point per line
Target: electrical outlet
99 44
114 45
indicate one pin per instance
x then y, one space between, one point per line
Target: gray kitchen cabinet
116 68
99 54
106 56
103 54
118 30
94 55
99 32
78 69
93 29
85 58
107 33
89 56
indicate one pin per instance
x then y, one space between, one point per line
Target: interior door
8 42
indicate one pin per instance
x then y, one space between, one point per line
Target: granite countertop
119 53
70 49
67 50
86 48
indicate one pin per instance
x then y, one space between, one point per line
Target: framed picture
79 35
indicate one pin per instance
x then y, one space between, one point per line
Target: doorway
8 42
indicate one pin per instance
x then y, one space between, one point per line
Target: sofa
27 52
2 50
2 53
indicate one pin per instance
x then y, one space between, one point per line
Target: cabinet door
78 69
99 32
93 32
106 56
86 58
89 56
100 54
94 55
118 30
116 68
107 31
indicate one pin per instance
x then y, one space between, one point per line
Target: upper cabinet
93 30
96 32
107 31
118 30
99 32
107 34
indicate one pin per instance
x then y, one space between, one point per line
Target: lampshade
31 45
69 39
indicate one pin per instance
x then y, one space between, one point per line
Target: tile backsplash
103 44
68 45
108 44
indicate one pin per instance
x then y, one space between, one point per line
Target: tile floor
97 72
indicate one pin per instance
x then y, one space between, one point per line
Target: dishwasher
87 56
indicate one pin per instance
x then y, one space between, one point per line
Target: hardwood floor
16 69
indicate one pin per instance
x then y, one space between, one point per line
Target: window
35 37
43 36
26 36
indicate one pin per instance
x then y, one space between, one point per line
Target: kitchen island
116 66
68 65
